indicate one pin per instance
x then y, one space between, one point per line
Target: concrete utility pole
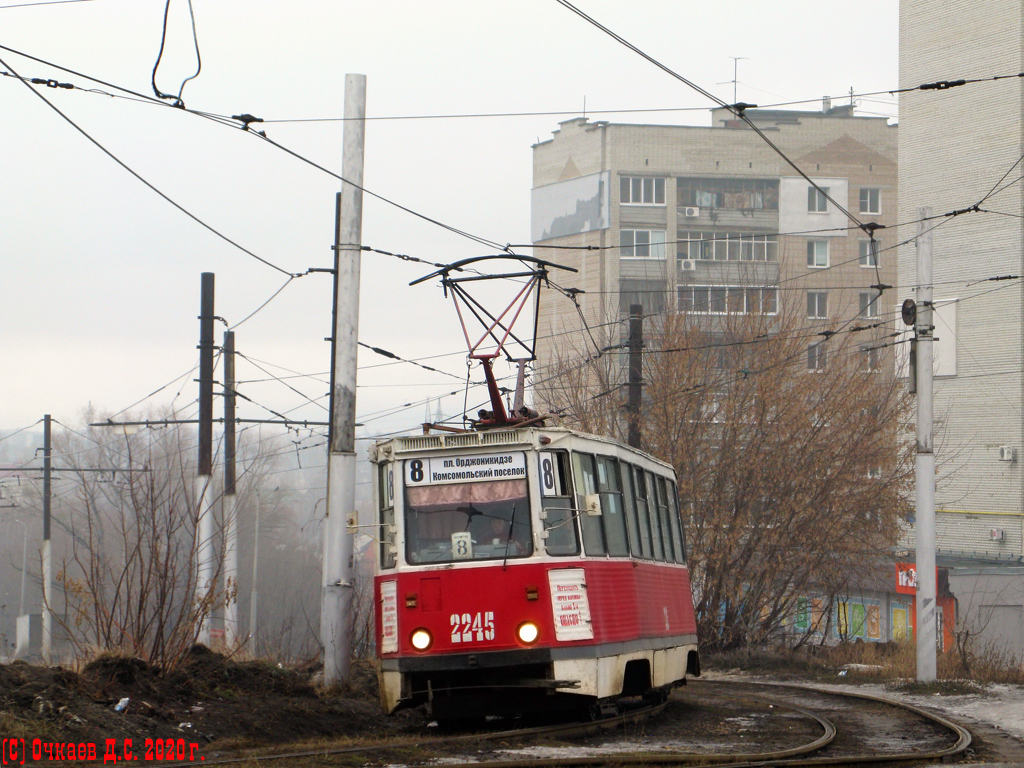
254 592
204 511
24 564
47 639
925 462
231 633
336 600
636 346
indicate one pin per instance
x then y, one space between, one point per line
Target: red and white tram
528 567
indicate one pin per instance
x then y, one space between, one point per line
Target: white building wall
793 213
990 533
991 607
955 145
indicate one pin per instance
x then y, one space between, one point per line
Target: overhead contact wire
121 163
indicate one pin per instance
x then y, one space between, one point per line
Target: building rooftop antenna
735 68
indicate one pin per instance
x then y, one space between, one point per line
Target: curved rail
795 756
963 736
566 729
733 760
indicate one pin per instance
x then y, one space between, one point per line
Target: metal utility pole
204 511
636 345
925 461
47 639
336 599
231 633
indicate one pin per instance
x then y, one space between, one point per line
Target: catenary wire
148 184
19 431
234 122
737 109
163 40
43 2
278 380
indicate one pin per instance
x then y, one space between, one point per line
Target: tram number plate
472 627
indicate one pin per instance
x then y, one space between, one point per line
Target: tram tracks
725 724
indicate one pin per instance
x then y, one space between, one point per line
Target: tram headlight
528 632
421 639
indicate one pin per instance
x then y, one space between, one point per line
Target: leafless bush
127 576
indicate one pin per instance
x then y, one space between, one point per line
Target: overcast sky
101 277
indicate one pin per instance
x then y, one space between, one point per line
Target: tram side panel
641 616
593 618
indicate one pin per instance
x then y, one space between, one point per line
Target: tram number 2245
470 627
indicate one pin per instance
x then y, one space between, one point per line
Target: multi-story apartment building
959 147
710 222
713 221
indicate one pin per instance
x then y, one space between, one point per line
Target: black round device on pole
909 312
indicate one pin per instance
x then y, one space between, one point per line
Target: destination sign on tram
470 468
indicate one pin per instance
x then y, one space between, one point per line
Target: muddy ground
214 701
223 705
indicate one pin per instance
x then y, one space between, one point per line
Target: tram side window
665 516
557 503
643 512
636 541
667 489
653 515
386 493
586 485
678 534
611 507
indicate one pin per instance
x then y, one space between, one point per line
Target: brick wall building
711 220
960 146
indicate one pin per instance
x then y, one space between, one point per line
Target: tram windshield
467 521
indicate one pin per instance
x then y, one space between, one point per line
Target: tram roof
523 438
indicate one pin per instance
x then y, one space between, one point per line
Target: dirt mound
211 700
206 672
119 676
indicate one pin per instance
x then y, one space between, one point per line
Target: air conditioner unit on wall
997 534
687 265
691 212
1007 453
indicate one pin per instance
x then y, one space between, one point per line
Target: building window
642 243
870 200
728 300
727 246
817 253
817 304
869 304
649 294
816 200
871 360
731 194
816 357
868 257
641 190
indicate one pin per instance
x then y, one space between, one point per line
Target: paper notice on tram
569 604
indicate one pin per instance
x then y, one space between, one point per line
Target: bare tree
785 441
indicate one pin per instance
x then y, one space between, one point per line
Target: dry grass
895 663
13 727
